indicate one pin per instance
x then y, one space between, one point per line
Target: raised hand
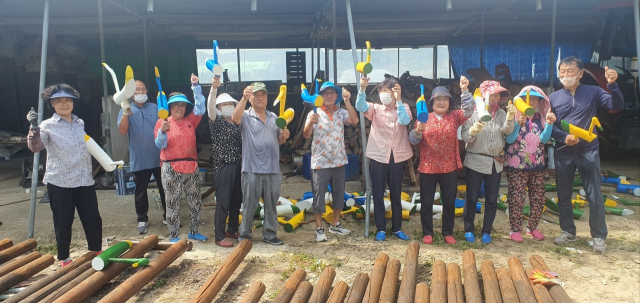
464 84
420 126
522 119
364 82
511 111
247 93
166 126
397 92
194 79
32 117
610 74
551 117
346 95
215 82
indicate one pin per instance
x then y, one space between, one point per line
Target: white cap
225 98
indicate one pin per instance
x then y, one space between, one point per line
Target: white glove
476 128
511 111
126 106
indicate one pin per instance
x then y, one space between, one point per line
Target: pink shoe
66 262
536 234
516 237
98 253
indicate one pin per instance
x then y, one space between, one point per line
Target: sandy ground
612 277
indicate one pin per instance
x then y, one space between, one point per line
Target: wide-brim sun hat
223 98
179 98
492 87
338 90
440 91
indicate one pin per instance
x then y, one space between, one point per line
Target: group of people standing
245 145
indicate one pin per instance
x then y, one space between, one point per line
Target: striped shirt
488 143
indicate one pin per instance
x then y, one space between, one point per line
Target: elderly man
261 176
577 104
137 119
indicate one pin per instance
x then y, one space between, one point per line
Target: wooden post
407 291
25 272
63 289
166 245
508 290
358 288
339 292
521 281
471 286
133 284
388 293
372 292
490 282
289 288
303 293
439 282
254 293
321 291
5 243
89 286
422 293
558 293
542 294
46 285
16 250
17 263
214 284
454 284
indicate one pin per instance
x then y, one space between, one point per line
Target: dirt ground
590 277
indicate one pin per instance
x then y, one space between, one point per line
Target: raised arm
239 110
509 122
415 135
35 141
466 98
161 129
614 99
211 102
353 115
199 107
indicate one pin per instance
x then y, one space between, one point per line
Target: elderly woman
68 172
388 148
440 157
176 138
526 163
485 145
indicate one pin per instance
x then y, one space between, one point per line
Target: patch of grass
632 249
582 242
561 251
272 295
158 284
47 249
614 279
307 261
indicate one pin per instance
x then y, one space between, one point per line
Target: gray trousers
254 187
320 179
588 164
228 199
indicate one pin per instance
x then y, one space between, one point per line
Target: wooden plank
290 287
17 250
521 281
321 291
18 262
439 282
5 243
390 284
471 285
558 293
490 282
422 293
25 272
254 293
358 288
303 293
339 292
372 293
542 294
508 290
454 284
407 291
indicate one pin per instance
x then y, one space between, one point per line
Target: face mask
568 81
142 98
227 111
385 98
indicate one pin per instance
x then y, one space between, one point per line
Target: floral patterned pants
519 181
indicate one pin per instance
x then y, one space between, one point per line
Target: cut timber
558 293
454 284
5 243
16 250
214 284
321 291
254 293
290 287
166 245
542 294
133 284
407 291
372 292
521 281
490 283
25 272
439 282
97 280
303 293
358 288
471 285
46 285
63 289
339 292
390 284
508 290
422 293
18 262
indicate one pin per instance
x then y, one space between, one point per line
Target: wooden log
542 294
556 292
5 243
43 287
214 284
290 287
303 293
422 293
18 262
133 284
439 282
372 292
454 284
63 289
25 272
471 285
254 293
358 288
339 292
388 292
507 289
490 282
166 245
407 291
97 280
321 291
521 281
16 250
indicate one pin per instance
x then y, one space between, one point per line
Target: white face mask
227 111
385 98
141 98
568 81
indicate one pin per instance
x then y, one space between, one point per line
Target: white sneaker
320 236
599 246
339 229
142 227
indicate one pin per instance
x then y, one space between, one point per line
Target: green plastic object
553 206
618 211
550 188
626 202
133 262
104 259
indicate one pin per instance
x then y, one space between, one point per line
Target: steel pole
636 18
36 156
335 52
552 64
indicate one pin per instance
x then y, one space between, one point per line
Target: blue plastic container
124 181
352 170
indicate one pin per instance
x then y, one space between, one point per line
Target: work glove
476 128
511 111
32 117
126 106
